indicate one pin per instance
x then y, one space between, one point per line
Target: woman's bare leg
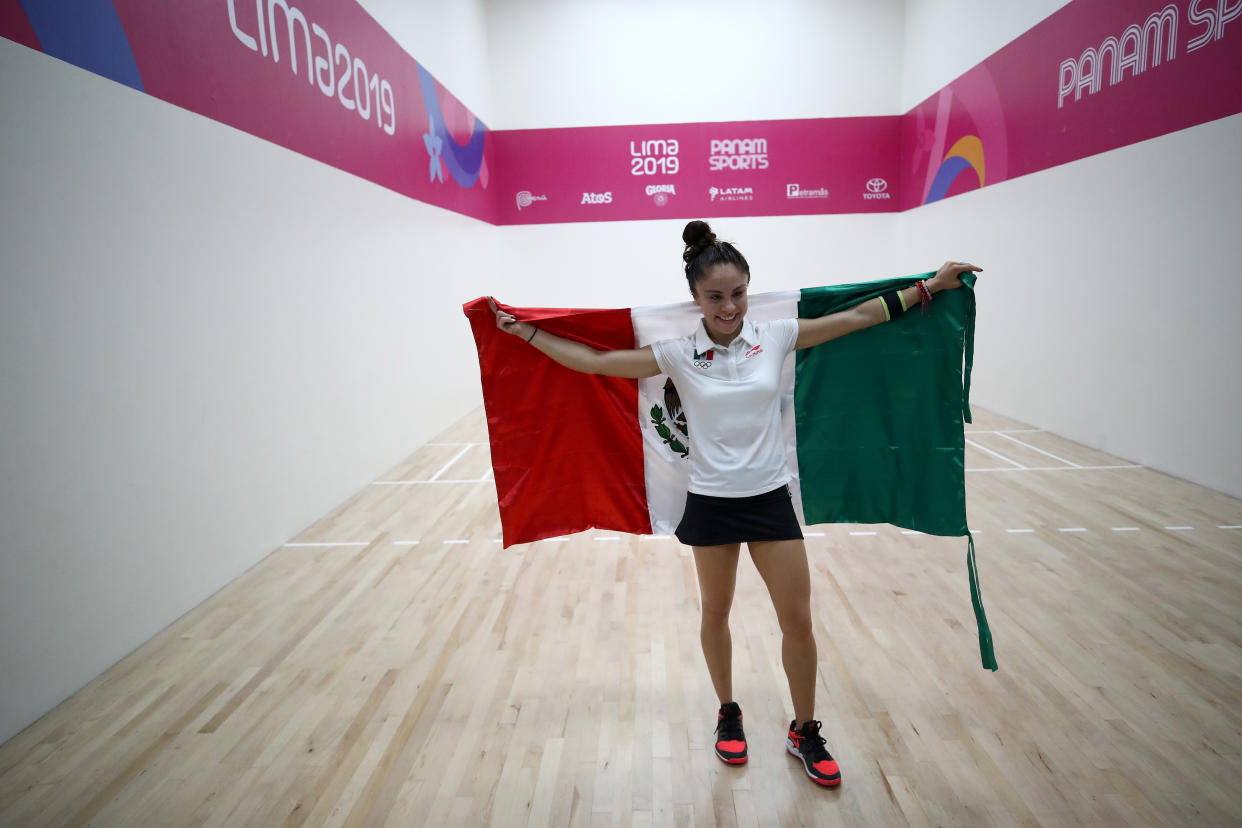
784 568
717 568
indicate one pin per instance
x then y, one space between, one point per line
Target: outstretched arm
813 332
633 363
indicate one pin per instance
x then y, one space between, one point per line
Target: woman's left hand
949 275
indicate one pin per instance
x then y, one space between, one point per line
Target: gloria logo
796 191
738 154
597 198
877 188
731 193
525 199
703 361
660 192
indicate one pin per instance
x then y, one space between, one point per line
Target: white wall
944 38
206 343
567 63
1094 320
449 39
687 61
1106 311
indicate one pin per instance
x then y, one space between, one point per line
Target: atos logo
877 188
597 198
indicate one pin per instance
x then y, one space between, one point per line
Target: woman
727 374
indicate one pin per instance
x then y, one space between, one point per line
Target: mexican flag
873 421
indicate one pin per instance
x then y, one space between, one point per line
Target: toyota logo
877 185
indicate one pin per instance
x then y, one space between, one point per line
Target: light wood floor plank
378 681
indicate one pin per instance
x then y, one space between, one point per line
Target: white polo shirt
732 401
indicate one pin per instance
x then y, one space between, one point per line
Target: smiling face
721 293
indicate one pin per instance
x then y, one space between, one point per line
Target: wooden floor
355 677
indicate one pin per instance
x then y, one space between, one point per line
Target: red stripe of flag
570 457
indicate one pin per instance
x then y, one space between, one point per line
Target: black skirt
714 521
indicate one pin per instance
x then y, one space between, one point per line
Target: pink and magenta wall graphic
322 78
745 168
319 77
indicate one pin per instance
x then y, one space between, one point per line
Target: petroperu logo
732 193
796 191
597 198
877 188
738 154
755 351
660 192
525 199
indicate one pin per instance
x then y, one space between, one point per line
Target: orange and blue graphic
965 154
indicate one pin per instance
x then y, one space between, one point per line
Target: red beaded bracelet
925 296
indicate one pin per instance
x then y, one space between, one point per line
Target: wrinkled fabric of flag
879 417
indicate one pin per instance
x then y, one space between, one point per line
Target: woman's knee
797 622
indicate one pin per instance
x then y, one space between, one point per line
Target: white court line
653 537
608 538
405 543
1074 529
862 533
1019 531
813 534
1057 468
455 444
1180 528
497 540
456 541
561 539
1229 527
1126 529
995 454
912 532
1005 431
424 482
1041 451
436 476
343 543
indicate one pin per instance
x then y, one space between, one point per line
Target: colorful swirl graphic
463 162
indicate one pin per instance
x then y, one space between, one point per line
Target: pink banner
1093 77
319 77
323 78
742 168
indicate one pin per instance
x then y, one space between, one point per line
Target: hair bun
697 236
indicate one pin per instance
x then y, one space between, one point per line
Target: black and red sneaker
730 740
808 745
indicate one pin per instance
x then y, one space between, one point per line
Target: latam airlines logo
660 192
877 188
738 154
732 193
597 198
525 199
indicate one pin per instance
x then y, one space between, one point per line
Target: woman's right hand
508 323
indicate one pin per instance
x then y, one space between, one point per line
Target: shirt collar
703 343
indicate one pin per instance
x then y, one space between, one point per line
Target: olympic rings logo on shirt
704 364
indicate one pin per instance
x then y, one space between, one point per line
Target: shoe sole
831 782
738 760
